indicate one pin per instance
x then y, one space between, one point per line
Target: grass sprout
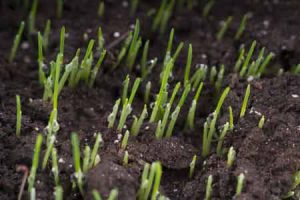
126 110
147 66
19 116
295 69
242 27
32 15
192 111
147 92
16 43
125 88
133 6
296 183
210 125
76 158
59 8
221 139
163 16
231 124
96 195
101 9
151 178
134 47
192 166
209 188
199 76
230 157
188 65
125 159
113 195
137 123
207 8
100 40
42 76
125 140
55 166
224 28
112 117
58 193
240 184
46 34
50 144
35 162
245 102
261 122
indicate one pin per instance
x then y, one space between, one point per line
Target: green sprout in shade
46 34
224 28
125 159
231 124
31 17
96 195
230 157
42 76
163 16
133 6
16 43
137 123
113 195
168 55
147 66
50 144
151 178
210 125
59 8
209 188
261 122
35 162
242 27
221 139
59 193
112 117
207 8
220 77
245 102
134 47
147 92
101 40
19 116
240 184
199 76
101 9
76 158
125 140
192 166
55 166
188 65
296 183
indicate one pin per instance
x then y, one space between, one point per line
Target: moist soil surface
269 157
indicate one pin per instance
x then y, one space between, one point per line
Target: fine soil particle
269 157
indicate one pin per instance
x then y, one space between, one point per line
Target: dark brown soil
268 157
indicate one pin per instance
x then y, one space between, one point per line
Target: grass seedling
123 50
220 76
50 144
199 75
134 47
261 122
100 40
230 157
150 181
207 8
192 166
147 92
213 74
209 189
55 166
224 28
31 17
245 102
210 126
192 111
96 195
19 116
188 66
94 160
112 117
96 68
101 9
59 8
46 34
87 155
163 16
133 7
113 195
146 66
125 159
137 123
125 140
160 100
172 122
240 184
296 183
35 163
32 194
125 88
247 60
76 158
295 69
221 139
242 27
16 43
231 126
42 76
59 193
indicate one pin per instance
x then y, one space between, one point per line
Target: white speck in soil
25 45
61 160
125 4
147 128
295 95
85 36
116 34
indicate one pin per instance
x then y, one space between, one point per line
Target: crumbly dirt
268 157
